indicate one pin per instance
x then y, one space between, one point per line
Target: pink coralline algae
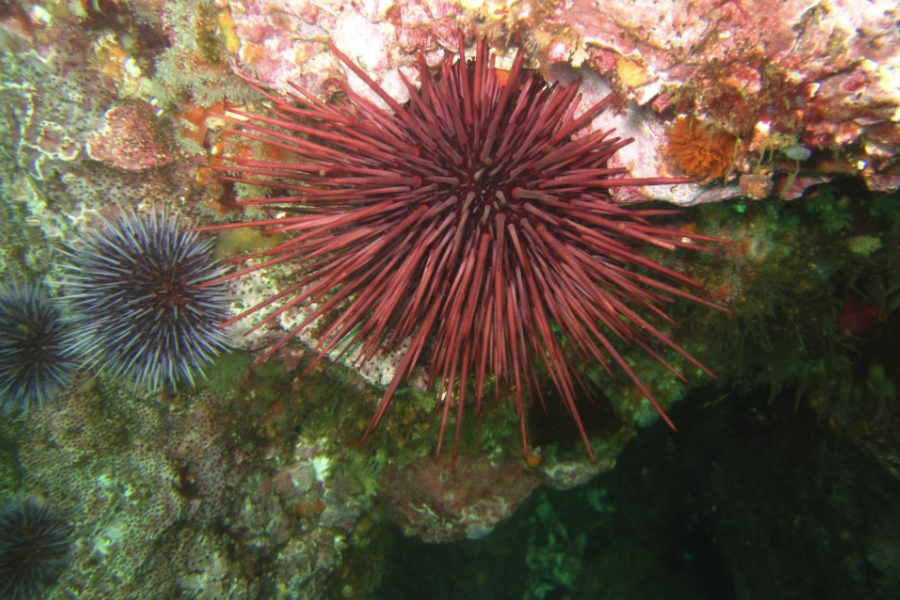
824 74
798 73
280 41
130 139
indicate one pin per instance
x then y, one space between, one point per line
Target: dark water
749 500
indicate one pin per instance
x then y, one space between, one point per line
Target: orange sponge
698 150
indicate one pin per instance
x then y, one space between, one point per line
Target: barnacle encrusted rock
130 139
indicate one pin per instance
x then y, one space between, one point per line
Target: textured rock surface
820 74
438 506
785 79
129 139
164 501
281 40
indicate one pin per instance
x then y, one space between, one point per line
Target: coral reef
820 79
799 73
190 499
280 42
129 139
52 101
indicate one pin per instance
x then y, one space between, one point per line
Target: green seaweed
11 471
226 372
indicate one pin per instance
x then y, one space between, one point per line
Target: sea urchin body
34 546
471 226
135 285
33 348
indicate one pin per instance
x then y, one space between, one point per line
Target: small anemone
699 150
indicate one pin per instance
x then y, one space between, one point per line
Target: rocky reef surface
253 484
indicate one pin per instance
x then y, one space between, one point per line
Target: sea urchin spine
134 283
471 223
33 348
34 548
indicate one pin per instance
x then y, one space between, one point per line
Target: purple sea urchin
34 545
471 224
33 343
135 286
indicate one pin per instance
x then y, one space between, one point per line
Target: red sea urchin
470 224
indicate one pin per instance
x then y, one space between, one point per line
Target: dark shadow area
749 500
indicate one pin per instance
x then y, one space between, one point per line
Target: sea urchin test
134 283
473 224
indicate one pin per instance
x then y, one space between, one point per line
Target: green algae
818 281
11 471
554 559
244 240
225 373
208 36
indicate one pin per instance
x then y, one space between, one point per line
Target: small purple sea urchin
471 224
34 546
33 344
135 285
